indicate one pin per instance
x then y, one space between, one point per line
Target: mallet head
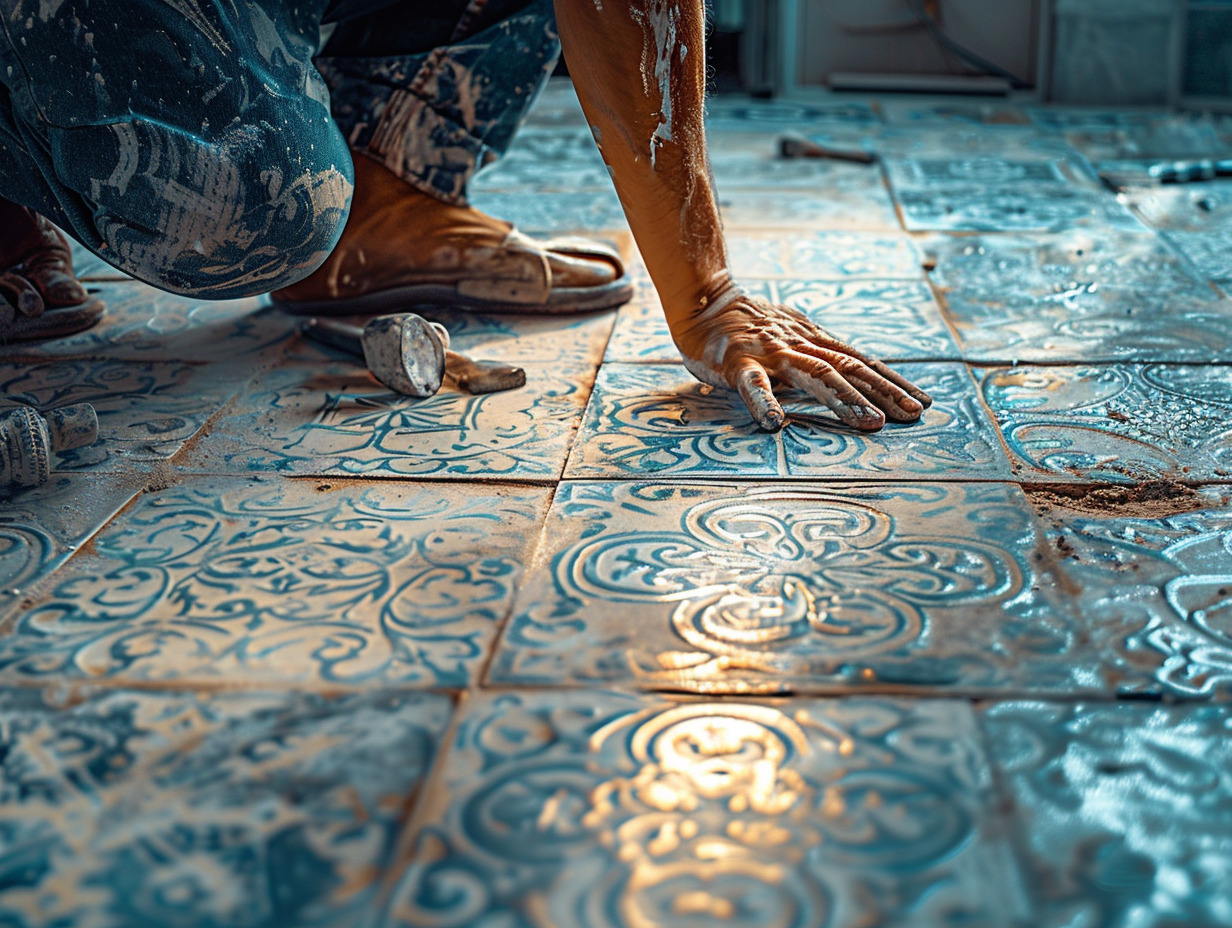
405 354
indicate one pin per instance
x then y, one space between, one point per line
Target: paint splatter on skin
654 144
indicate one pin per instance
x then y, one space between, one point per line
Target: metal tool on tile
28 440
410 355
799 146
477 376
403 352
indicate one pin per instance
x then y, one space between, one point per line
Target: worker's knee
218 215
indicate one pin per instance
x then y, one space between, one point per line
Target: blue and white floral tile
599 809
587 212
245 810
1068 265
147 410
1197 222
1115 423
739 114
904 113
885 318
246 581
542 159
1077 296
41 527
738 165
1089 326
658 420
1155 562
144 324
832 256
1125 810
865 205
1091 118
333 418
1010 208
800 588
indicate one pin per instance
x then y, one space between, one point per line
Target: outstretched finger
900 381
891 398
820 380
754 388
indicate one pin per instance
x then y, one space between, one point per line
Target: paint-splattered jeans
196 145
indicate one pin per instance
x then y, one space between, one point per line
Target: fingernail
772 420
910 404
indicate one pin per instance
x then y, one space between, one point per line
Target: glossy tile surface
142 324
1078 296
252 810
890 319
648 811
658 420
333 418
1125 810
286 649
243 581
720 589
1115 422
1155 563
147 410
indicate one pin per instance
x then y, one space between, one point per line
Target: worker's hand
749 344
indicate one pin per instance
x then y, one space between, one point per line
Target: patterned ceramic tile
737 588
40 528
333 418
983 170
1125 811
655 419
1088 326
1079 117
1068 265
1156 564
1197 219
741 114
146 410
1011 209
1079 297
865 207
251 811
889 319
740 170
604 809
905 113
247 581
547 160
573 339
969 142
142 323
824 255
1117 423
585 212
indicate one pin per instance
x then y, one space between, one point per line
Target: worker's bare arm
639 69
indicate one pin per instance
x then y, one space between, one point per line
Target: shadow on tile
252 811
333 418
144 324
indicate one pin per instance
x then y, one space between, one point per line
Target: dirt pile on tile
1153 499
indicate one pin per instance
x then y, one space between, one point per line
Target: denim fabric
191 143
